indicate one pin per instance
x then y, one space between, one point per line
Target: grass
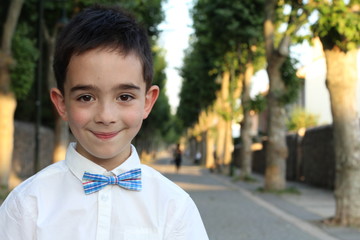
248 179
4 191
289 190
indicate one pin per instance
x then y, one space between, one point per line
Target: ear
150 99
59 102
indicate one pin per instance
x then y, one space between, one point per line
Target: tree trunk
220 142
204 132
221 111
7 110
61 137
61 134
341 81
209 140
224 110
7 97
276 150
192 148
228 144
245 131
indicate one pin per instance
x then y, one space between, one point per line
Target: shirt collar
78 164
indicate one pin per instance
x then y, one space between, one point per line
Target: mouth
105 135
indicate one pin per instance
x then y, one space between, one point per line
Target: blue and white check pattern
130 180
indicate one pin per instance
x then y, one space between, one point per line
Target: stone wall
259 157
311 159
318 157
24 149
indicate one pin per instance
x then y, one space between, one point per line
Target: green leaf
26 55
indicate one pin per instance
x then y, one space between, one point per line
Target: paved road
230 212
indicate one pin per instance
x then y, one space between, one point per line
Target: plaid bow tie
130 180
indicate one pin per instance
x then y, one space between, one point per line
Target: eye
85 98
125 98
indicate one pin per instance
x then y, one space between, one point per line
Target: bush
299 118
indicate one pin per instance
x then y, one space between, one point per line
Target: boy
103 69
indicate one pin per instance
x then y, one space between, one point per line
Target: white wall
317 100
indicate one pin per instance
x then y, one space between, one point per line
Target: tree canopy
338 24
217 45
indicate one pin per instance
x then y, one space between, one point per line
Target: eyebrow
89 87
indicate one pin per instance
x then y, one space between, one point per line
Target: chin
110 153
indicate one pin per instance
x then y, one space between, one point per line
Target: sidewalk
312 205
237 210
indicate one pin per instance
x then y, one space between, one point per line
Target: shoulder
182 218
19 211
161 184
172 198
29 188
41 176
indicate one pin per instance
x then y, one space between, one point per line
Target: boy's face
104 102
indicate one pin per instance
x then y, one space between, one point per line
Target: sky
174 39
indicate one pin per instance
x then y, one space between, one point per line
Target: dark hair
102 27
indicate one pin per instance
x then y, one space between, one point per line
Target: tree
277 51
51 27
230 29
7 96
158 125
239 47
198 87
338 27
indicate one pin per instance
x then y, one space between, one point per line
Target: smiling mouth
105 136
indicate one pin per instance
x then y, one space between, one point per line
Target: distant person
101 191
177 157
197 158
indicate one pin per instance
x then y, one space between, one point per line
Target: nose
106 113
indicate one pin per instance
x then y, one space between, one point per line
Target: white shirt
52 205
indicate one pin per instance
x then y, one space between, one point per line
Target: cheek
133 118
77 117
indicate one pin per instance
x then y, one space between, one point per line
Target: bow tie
130 180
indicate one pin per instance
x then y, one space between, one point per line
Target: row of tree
28 36
234 39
